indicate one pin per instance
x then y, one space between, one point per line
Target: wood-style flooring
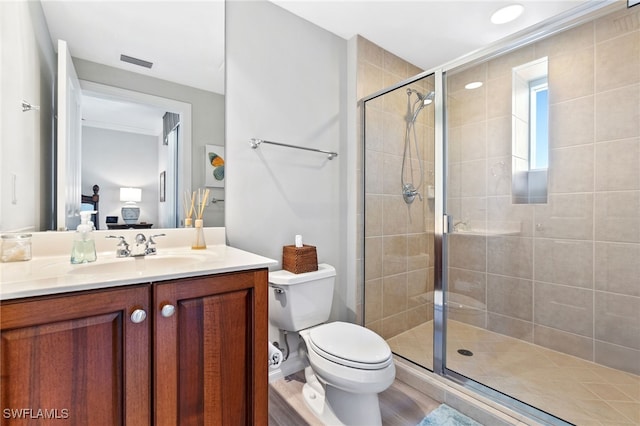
400 405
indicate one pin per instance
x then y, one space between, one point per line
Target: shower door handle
446 223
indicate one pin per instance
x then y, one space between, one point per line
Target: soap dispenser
84 246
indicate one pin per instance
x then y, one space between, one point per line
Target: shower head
426 98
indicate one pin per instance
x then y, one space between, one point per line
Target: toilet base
335 407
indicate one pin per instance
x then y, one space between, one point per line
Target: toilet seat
350 345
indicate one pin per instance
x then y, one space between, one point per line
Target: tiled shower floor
573 389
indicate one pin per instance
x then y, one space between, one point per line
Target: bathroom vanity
180 338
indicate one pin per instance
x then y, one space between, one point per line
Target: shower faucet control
409 193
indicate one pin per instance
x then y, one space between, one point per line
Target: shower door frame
562 22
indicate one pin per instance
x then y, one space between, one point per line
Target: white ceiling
185 39
426 33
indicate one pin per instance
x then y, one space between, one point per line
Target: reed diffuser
199 243
189 207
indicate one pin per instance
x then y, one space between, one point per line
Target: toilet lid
350 345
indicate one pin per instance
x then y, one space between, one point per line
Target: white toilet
349 364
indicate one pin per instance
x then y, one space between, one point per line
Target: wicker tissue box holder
299 259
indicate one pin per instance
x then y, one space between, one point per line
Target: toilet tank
299 301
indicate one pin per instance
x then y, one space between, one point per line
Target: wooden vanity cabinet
76 359
210 359
199 357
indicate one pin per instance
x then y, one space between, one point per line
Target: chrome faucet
142 248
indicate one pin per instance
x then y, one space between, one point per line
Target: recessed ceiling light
507 14
473 85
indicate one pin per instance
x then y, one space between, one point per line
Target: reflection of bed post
93 199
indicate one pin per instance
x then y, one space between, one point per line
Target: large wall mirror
135 63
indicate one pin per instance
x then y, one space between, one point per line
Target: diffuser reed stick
199 243
188 211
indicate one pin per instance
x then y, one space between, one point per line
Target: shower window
530 132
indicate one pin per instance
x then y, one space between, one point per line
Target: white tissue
275 356
298 240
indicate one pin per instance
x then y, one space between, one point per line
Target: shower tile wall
398 238
570 280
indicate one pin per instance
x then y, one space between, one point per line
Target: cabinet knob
168 310
138 316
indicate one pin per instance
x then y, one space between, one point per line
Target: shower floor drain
465 352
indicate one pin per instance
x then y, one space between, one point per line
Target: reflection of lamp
130 196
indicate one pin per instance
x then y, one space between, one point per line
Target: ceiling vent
136 61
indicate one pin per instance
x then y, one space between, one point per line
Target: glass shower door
541 298
399 212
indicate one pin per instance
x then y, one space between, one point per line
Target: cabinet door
211 352
77 357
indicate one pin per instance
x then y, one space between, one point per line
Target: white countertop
51 272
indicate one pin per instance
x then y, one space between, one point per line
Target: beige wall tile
618 62
572 122
617 269
499 97
473 178
566 262
394 295
468 106
502 211
571 169
369 52
616 216
394 215
392 166
617 24
618 357
564 308
471 285
568 343
467 315
511 256
617 113
373 254
373 217
566 216
617 318
417 286
393 325
375 172
372 79
419 315
373 300
473 141
502 66
394 255
577 38
467 252
374 128
418 251
499 137
564 82
393 134
510 297
510 326
618 165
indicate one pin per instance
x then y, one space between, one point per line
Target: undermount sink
137 264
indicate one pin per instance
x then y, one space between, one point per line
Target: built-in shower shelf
489 228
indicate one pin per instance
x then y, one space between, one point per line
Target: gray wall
27 71
115 159
286 82
207 114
